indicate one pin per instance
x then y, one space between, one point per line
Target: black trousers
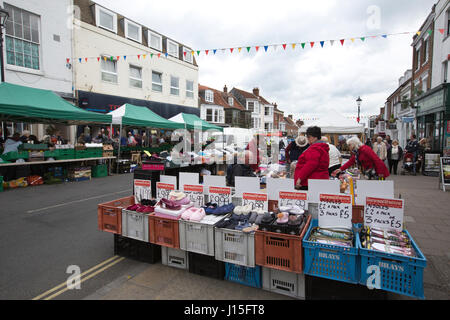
393 164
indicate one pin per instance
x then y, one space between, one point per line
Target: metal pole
1 55
118 153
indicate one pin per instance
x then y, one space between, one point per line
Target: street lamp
358 102
3 17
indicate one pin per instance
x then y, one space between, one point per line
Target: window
418 59
425 51
22 38
174 85
251 106
189 89
135 77
445 71
268 111
209 96
209 113
257 110
188 56
172 49
156 81
109 70
105 19
448 22
133 31
230 101
155 40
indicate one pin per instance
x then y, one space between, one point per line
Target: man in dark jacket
241 169
293 151
413 148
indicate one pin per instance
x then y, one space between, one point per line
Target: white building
441 45
37 42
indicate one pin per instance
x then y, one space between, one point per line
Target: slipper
247 209
253 217
210 205
285 208
182 201
252 228
238 210
176 195
258 219
167 204
296 210
295 220
242 225
220 211
267 218
187 214
198 214
133 207
282 218
244 217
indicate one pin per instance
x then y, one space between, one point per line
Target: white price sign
163 190
195 194
299 199
335 211
256 200
220 195
142 190
384 213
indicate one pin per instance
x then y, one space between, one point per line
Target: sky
306 82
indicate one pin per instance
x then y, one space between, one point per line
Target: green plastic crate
1 183
89 153
51 154
14 155
99 171
29 146
65 154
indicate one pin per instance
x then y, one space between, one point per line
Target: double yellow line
109 263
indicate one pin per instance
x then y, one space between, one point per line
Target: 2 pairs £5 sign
384 213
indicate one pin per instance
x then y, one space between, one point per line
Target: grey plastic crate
283 282
198 237
135 225
235 246
174 258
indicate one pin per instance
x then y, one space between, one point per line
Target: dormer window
230 101
105 19
172 48
209 96
133 31
188 56
154 41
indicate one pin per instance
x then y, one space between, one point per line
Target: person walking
413 147
314 162
293 151
380 149
394 154
335 157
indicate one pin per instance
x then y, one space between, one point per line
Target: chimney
225 89
256 91
290 117
275 105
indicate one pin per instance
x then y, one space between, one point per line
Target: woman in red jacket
363 155
313 163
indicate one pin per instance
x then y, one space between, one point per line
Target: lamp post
3 16
358 102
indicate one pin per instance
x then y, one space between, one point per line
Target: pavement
45 229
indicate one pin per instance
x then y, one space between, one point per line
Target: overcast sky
304 82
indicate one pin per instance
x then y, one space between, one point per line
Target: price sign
293 199
163 190
220 195
142 190
256 200
384 213
335 211
195 194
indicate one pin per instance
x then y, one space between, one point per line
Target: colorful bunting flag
384 35
442 31
198 52
430 32
248 49
144 55
79 60
239 49
331 42
284 46
166 54
322 43
265 48
139 56
275 47
206 51
418 33
151 55
312 44
98 59
231 49
117 58
293 46
257 48
184 53
124 57
303 45
159 55
214 51
342 41
68 60
362 38
353 39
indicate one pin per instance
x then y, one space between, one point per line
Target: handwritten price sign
220 195
384 213
335 211
195 194
256 200
142 190
293 199
163 190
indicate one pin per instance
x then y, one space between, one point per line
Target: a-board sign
335 211
384 213
195 194
256 200
445 171
296 198
142 190
163 190
219 195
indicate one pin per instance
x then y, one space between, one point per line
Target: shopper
131 140
12 143
380 149
413 147
369 142
293 151
395 154
254 150
365 157
314 162
25 136
241 169
335 157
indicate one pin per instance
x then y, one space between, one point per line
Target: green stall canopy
194 122
25 104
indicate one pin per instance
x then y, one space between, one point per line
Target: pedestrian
131 140
12 143
413 147
395 154
281 145
314 162
293 151
25 136
335 157
369 142
365 157
380 149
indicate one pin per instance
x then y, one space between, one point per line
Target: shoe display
176 195
282 218
220 211
168 204
198 214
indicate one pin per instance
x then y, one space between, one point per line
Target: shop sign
435 100
335 211
432 163
408 119
142 190
445 171
386 214
195 194
256 200
299 199
163 190
220 195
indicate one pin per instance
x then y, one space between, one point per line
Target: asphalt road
47 228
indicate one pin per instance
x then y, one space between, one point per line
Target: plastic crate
331 261
1 183
99 171
198 237
280 251
398 274
174 258
14 155
164 231
234 246
94 152
136 250
50 153
65 154
30 146
283 282
206 266
109 214
247 276
135 225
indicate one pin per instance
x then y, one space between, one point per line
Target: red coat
313 164
368 160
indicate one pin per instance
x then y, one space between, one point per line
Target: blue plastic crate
330 261
399 274
244 275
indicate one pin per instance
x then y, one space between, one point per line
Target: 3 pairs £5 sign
384 214
220 195
299 199
142 190
335 211
256 200
195 194
163 190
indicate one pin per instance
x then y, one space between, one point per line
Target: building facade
291 127
278 120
